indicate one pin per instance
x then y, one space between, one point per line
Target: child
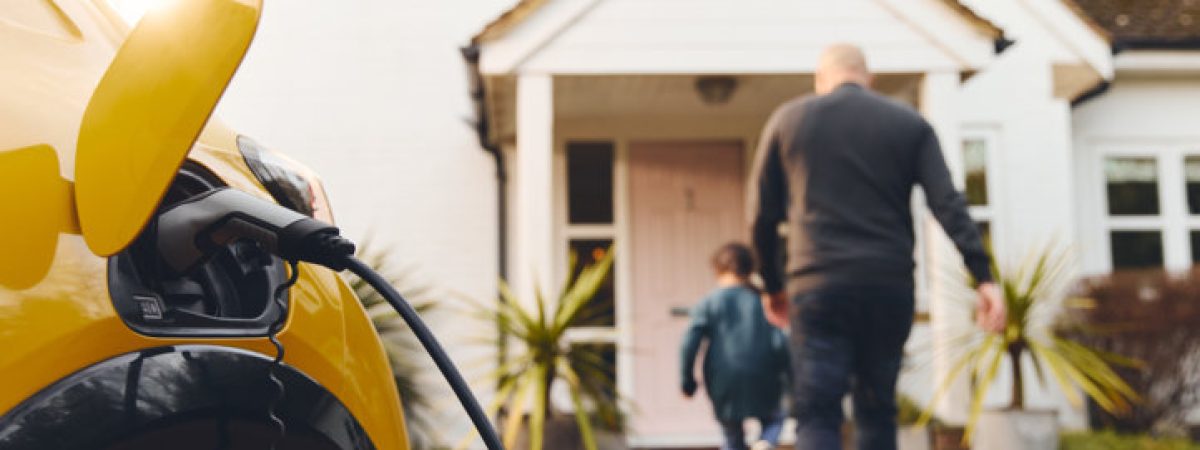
746 360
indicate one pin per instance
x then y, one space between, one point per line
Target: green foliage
1108 440
1034 291
399 342
908 411
543 355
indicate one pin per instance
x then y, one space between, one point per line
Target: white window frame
566 232
1174 221
569 232
989 213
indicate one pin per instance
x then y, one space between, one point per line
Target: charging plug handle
190 231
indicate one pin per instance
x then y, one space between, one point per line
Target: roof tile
1147 23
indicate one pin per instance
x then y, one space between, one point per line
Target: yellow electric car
102 345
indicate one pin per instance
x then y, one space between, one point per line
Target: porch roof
715 36
506 20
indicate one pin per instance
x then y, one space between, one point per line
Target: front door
686 199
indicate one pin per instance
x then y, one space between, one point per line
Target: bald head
841 63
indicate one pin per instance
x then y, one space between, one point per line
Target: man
840 167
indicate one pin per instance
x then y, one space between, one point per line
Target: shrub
1150 316
908 412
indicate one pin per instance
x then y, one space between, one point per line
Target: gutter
482 124
1096 91
1000 44
1121 45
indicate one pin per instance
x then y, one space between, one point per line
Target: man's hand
991 315
775 306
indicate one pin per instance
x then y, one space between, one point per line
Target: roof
506 20
1147 24
523 8
979 21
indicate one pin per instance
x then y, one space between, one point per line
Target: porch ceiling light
715 89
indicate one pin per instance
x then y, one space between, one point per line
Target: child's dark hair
734 257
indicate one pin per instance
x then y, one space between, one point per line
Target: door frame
621 132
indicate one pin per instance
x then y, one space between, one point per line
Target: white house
631 123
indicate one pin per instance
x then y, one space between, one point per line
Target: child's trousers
735 435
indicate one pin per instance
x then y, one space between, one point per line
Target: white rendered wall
373 96
1136 112
1034 176
1031 195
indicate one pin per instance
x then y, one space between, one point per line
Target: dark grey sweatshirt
840 169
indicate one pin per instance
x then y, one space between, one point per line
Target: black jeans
848 339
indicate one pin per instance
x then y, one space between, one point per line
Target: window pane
1191 170
590 182
1132 186
975 167
1136 249
1195 247
601 310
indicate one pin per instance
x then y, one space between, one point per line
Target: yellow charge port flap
150 107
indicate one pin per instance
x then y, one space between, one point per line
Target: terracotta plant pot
563 433
948 438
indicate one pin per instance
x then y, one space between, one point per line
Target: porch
644 164
647 148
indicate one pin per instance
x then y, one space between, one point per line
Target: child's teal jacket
747 359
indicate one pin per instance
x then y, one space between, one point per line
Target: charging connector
191 230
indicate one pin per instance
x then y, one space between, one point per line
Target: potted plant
541 355
1034 292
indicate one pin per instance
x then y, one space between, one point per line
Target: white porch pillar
534 180
939 103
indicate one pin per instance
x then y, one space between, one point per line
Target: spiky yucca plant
1034 292
542 355
409 364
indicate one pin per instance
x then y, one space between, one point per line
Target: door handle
681 311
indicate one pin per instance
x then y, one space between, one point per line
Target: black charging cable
449 371
331 250
278 390
336 252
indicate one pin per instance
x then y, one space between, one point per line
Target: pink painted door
686 199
